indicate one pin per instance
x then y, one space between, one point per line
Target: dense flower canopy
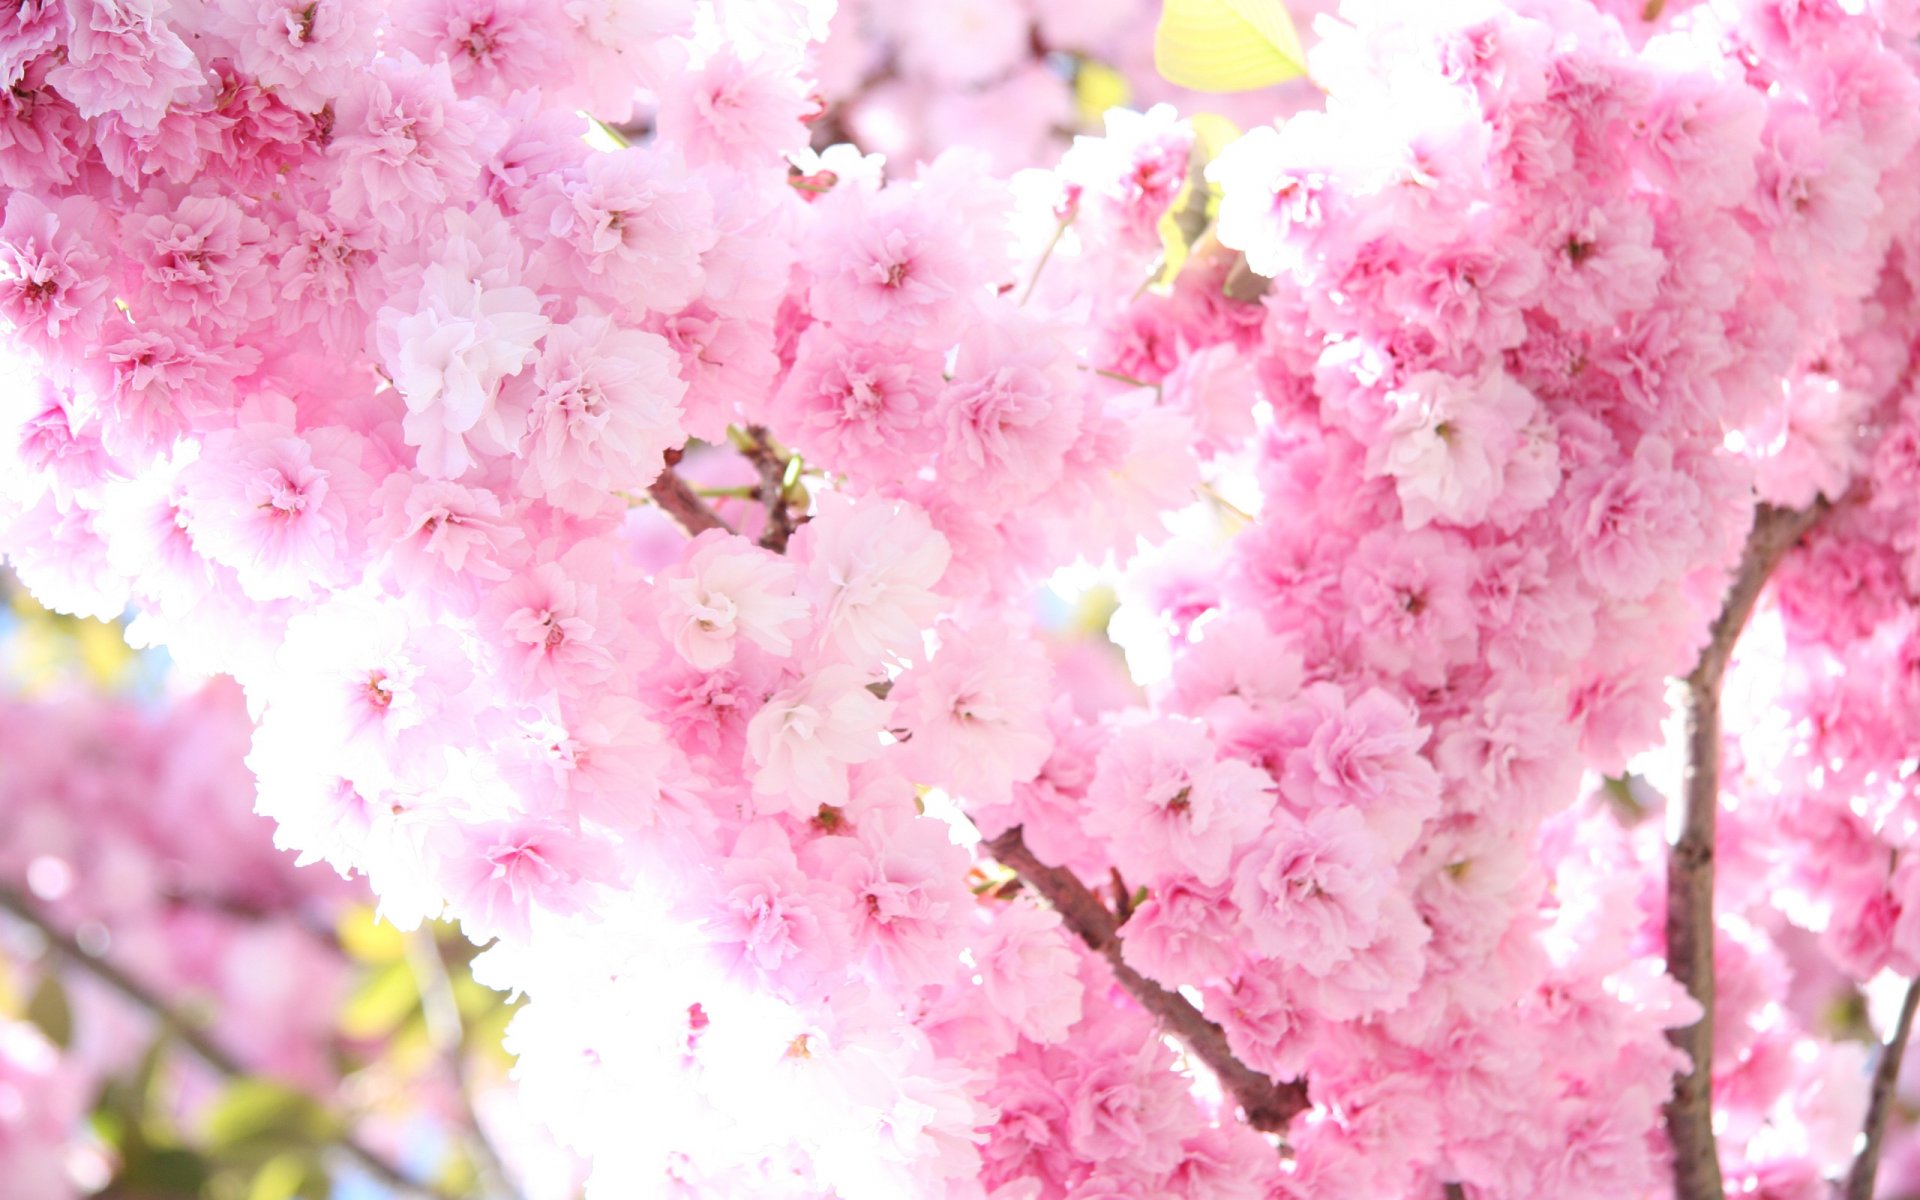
623 498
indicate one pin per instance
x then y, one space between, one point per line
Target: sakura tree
633 507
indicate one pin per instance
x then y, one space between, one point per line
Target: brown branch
1453 1191
1696 1160
1867 1163
191 1035
1268 1106
771 465
678 501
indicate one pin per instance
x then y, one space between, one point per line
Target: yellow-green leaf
255 1115
1227 45
382 1003
364 936
1097 88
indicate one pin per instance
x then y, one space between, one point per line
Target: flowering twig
1867 1162
192 1036
1267 1105
681 503
1696 1160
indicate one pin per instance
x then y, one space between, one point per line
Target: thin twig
1867 1162
1267 1105
1696 1159
680 502
447 1032
191 1035
1046 256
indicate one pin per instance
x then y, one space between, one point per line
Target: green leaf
259 1116
49 1010
1097 88
386 997
161 1172
290 1176
1227 45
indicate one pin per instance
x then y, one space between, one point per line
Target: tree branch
191 1035
687 509
757 445
1696 1160
1267 1105
1867 1162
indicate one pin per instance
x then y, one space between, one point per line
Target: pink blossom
448 355
1310 891
849 401
550 626
1010 413
1448 442
489 46
1182 933
1028 971
307 52
736 111
871 567
806 736
728 589
401 139
123 57
277 506
54 281
41 133
771 920
1601 262
629 226
1364 754
602 408
1632 529
908 901
197 255
507 871
442 540
1168 806
977 713
884 261
157 382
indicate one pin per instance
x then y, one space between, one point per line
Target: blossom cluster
366 378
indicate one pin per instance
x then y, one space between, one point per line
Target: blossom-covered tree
631 506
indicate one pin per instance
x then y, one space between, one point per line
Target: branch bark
1696 1159
1866 1164
192 1036
1267 1105
771 466
688 510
